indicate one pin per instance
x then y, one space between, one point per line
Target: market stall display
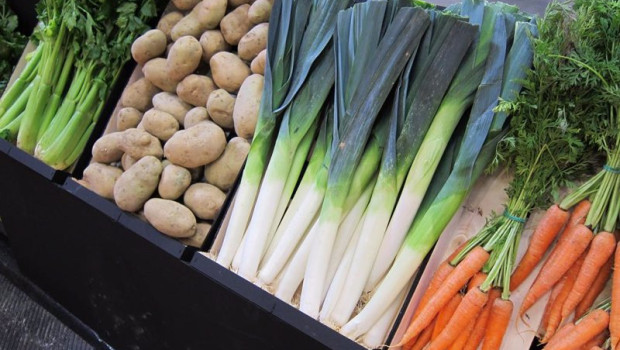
12 43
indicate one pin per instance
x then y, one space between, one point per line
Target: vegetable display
55 103
183 127
12 43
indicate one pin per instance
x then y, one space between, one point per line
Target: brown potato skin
139 144
196 146
127 118
224 171
253 42
260 11
139 94
184 57
185 4
170 218
196 115
148 46
258 63
100 178
236 24
245 114
160 124
228 71
204 16
220 106
107 149
172 104
204 200
168 21
174 181
156 72
136 185
212 42
195 89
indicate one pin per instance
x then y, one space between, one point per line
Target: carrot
595 342
481 322
443 317
596 348
440 275
555 315
614 327
595 289
468 309
548 228
472 263
568 251
476 281
554 294
580 212
459 343
497 324
422 340
562 332
601 249
592 324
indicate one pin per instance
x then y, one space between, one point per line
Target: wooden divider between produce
487 196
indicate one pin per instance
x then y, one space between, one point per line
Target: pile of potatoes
171 155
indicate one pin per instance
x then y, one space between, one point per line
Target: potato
228 71
139 94
107 148
139 144
170 218
245 114
236 24
202 230
174 181
127 161
196 146
204 16
100 178
212 42
258 63
150 45
160 124
195 116
171 103
204 200
168 21
260 11
235 3
184 57
195 89
136 185
223 172
220 106
253 42
185 4
156 71
128 117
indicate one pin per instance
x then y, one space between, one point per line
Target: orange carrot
580 212
468 309
440 275
595 289
443 317
614 327
481 322
601 249
554 294
497 324
555 315
476 281
592 324
562 332
548 228
596 348
568 251
595 342
459 343
422 340
472 263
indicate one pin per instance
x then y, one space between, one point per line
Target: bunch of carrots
565 119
